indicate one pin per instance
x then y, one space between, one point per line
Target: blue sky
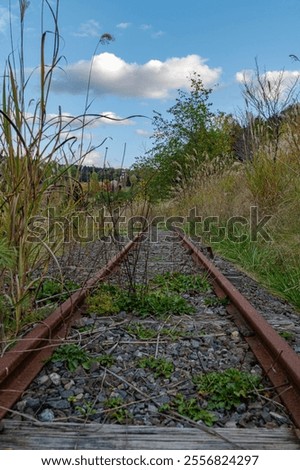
158 44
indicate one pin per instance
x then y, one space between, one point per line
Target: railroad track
20 365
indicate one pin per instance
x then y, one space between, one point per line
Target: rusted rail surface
20 365
278 360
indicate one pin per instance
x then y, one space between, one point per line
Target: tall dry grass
35 169
273 188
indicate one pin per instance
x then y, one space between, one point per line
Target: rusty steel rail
278 360
20 365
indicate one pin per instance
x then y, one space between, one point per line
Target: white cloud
123 25
285 77
244 76
155 79
143 133
273 83
89 29
94 158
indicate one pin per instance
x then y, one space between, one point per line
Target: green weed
157 303
216 301
181 283
287 335
160 367
171 333
226 389
72 356
113 408
190 408
105 360
104 300
52 290
86 409
141 332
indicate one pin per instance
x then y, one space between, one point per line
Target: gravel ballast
121 391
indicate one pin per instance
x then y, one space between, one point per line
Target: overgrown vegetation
193 138
161 367
220 166
244 194
158 304
114 407
191 408
226 389
223 390
104 300
51 291
72 356
161 297
181 283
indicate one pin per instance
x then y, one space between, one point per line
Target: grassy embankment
271 187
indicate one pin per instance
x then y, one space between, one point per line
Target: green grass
104 300
268 263
181 283
276 266
216 301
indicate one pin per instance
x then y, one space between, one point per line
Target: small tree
192 136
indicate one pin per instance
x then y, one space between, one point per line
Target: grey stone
55 378
59 404
43 379
33 403
46 415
